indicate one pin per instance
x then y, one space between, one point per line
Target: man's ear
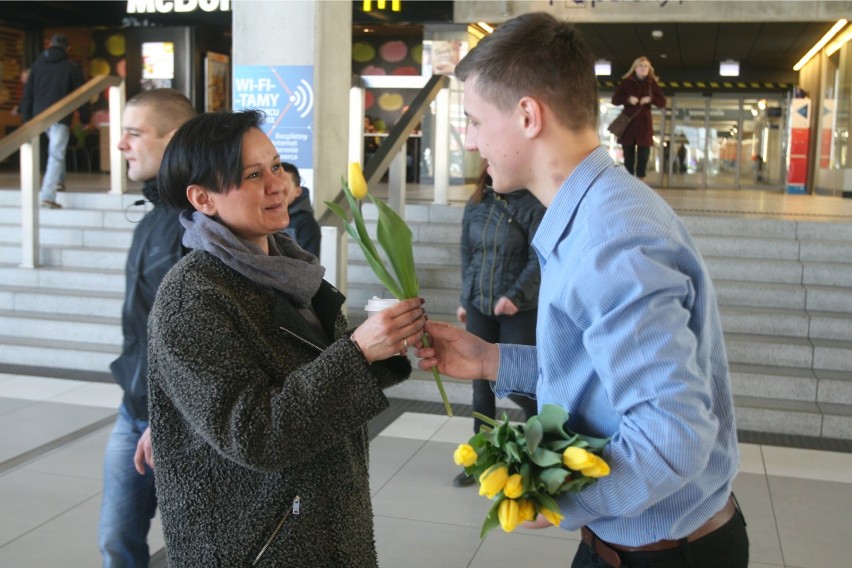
168 135
200 199
531 115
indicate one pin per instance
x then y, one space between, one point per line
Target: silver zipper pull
297 505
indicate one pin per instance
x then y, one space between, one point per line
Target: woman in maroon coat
637 91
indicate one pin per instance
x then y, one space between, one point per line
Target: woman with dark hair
637 91
500 279
259 397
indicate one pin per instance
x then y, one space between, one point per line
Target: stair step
764 321
778 416
769 351
69 302
60 327
754 270
762 295
834 387
46 278
787 383
57 354
748 227
429 276
747 247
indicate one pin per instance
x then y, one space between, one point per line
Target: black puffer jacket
155 248
303 227
52 77
497 259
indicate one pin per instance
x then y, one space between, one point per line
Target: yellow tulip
514 486
507 513
526 510
554 517
577 458
465 455
493 480
600 469
357 183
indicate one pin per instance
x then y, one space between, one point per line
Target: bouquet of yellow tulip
395 238
522 468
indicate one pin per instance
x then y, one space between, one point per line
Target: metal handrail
390 147
26 139
54 113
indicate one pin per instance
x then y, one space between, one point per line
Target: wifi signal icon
303 98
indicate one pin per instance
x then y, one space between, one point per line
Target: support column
298 33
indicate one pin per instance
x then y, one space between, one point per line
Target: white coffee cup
376 304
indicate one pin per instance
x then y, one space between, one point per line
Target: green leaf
491 519
365 240
370 255
546 501
513 452
553 478
577 483
545 458
594 443
395 237
553 418
527 476
534 434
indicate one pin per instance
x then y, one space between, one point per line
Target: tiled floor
53 431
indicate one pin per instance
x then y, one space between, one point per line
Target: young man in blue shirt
628 339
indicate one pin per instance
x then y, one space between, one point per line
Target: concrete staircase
784 287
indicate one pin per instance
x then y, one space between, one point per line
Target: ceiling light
485 27
819 45
657 34
603 67
838 42
729 68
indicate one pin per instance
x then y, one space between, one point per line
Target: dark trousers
520 329
636 159
725 547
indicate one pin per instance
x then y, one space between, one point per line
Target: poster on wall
798 142
216 77
286 94
158 64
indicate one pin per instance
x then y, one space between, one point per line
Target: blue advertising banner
286 94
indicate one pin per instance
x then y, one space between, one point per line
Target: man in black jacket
129 500
303 226
52 77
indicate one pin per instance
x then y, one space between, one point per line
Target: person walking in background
629 335
129 499
500 280
260 395
637 91
303 225
52 77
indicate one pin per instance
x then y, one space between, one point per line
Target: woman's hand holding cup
391 330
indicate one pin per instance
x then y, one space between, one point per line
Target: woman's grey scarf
289 269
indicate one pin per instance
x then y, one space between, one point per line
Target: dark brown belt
609 551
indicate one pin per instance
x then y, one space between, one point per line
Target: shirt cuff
518 370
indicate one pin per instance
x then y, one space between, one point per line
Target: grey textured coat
252 408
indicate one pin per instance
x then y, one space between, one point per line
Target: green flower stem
488 420
428 343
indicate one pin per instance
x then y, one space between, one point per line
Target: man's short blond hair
172 108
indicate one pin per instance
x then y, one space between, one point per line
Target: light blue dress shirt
630 343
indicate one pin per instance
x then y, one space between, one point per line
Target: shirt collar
560 214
